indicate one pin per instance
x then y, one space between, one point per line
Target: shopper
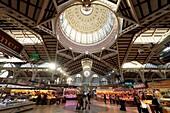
79 102
110 98
156 104
122 105
89 96
143 96
44 99
87 103
117 99
105 99
137 102
38 100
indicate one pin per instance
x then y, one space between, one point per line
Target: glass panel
68 30
100 34
89 38
64 25
84 39
78 36
72 34
95 37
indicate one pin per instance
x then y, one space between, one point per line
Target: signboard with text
9 44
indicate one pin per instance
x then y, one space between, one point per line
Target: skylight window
155 35
24 37
85 31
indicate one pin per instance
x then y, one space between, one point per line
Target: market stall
70 93
100 91
162 89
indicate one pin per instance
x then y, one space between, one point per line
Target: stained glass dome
88 27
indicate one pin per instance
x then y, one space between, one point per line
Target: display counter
165 102
15 107
70 93
166 109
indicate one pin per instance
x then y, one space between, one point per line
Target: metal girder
29 29
106 63
137 34
157 47
117 5
65 55
148 19
99 70
56 51
108 55
129 48
141 73
46 30
133 11
75 69
100 54
42 11
128 19
62 50
161 74
119 65
70 61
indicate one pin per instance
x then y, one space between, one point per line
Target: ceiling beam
106 63
44 6
30 30
98 70
65 55
70 61
118 5
148 19
129 48
133 11
108 56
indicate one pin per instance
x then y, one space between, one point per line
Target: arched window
95 80
69 81
104 81
78 80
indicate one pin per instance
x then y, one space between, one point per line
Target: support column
34 73
162 74
122 77
114 80
52 76
90 80
141 73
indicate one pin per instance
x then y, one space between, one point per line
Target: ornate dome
88 27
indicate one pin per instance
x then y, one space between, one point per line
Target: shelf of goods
33 94
121 93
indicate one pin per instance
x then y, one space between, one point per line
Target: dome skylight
87 29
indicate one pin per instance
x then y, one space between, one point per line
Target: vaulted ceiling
39 17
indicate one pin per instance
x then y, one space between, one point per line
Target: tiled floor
69 107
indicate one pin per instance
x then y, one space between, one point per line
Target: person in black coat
38 100
105 98
156 105
137 102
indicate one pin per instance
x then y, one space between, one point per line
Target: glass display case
13 104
